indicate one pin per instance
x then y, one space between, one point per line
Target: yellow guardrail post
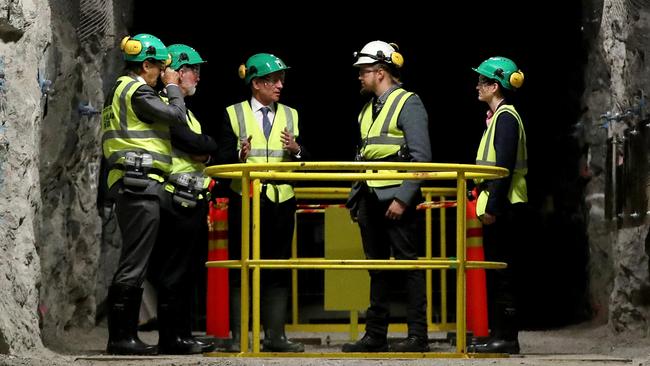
427 254
461 326
294 273
443 272
245 257
256 268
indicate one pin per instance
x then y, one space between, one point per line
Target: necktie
266 124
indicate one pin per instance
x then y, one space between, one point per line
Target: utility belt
402 155
187 189
137 169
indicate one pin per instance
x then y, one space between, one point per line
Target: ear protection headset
395 58
132 46
242 71
516 78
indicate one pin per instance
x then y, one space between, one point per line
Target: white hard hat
379 51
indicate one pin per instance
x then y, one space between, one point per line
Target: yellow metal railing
347 171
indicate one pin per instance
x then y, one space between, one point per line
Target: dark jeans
502 243
380 237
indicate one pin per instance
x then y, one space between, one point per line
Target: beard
190 90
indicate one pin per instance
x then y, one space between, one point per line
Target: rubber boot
174 327
235 320
123 312
505 338
274 310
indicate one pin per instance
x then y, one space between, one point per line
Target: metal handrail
254 173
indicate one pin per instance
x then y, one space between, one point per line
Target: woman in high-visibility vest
501 201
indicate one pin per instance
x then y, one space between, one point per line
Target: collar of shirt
379 101
257 106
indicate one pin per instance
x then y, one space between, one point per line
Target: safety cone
217 307
477 316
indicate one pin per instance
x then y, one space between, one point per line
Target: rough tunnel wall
25 37
71 230
615 74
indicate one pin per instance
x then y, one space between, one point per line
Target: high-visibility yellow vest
381 137
182 163
486 155
123 131
244 124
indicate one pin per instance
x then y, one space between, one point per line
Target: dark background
440 46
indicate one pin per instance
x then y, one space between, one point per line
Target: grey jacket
413 120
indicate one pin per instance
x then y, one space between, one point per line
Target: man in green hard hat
259 130
182 232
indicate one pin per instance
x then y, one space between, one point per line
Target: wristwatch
297 155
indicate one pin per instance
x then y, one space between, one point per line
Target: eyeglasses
363 72
195 68
485 81
273 80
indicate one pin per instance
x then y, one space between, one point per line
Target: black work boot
505 338
367 344
412 343
175 336
495 345
123 312
274 310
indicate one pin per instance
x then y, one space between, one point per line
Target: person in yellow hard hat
137 153
260 130
501 202
394 127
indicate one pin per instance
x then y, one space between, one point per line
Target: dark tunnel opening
439 48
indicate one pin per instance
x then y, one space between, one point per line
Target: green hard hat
503 70
183 55
144 46
260 65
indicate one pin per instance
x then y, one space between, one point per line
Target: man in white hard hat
394 127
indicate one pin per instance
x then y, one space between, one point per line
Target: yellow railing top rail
303 171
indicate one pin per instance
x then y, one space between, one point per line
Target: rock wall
25 40
616 71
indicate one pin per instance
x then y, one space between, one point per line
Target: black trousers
380 237
503 242
181 238
138 213
277 221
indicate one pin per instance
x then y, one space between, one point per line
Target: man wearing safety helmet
260 130
501 202
137 153
394 127
182 234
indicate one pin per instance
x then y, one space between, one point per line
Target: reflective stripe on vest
486 155
382 136
123 131
182 162
244 124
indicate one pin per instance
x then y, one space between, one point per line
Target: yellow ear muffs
168 61
242 71
131 46
397 59
517 79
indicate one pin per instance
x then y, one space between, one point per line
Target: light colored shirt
256 106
